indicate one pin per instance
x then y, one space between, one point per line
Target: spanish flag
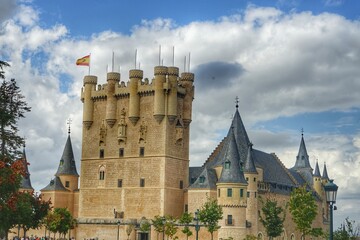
84 61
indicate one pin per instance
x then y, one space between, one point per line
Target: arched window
102 173
260 236
292 237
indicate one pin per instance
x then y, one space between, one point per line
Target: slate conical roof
317 170
241 137
25 181
232 170
55 185
302 159
207 179
325 174
67 164
250 163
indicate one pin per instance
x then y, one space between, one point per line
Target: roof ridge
215 152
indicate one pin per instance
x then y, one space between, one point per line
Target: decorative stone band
160 70
173 71
89 79
136 73
186 76
113 76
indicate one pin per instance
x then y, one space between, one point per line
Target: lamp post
331 191
197 226
118 230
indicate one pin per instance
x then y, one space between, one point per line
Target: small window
241 192
102 175
227 165
229 220
186 208
119 183
202 179
67 184
102 153
121 152
255 194
254 179
247 179
248 194
229 192
181 185
142 152
218 192
142 182
192 180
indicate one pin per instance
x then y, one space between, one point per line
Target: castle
135 164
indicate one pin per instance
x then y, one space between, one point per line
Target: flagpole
89 62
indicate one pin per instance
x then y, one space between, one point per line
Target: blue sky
293 65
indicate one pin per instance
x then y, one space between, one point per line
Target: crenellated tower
135 144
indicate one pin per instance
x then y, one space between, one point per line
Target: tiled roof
249 163
67 164
325 174
302 159
207 179
317 170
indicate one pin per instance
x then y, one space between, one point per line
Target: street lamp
197 226
331 191
118 225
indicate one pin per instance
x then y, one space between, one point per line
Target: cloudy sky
293 65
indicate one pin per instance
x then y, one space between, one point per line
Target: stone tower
135 144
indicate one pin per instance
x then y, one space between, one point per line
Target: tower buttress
113 79
88 108
187 80
173 74
159 99
135 76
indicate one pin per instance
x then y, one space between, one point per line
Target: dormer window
227 165
201 179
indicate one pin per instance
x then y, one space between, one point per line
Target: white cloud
281 64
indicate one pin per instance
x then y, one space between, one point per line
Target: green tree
159 225
10 179
30 211
210 213
170 226
60 221
2 65
303 209
347 231
271 219
185 219
250 237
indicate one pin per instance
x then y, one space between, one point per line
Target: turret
159 99
67 167
302 164
173 74
135 76
251 176
25 181
232 189
325 177
317 180
113 79
187 80
88 108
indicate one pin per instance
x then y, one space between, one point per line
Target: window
241 192
142 182
202 179
192 180
102 175
229 220
181 184
229 192
121 152
67 184
255 194
186 208
227 165
102 172
254 179
248 194
218 192
119 183
101 153
247 179
142 151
